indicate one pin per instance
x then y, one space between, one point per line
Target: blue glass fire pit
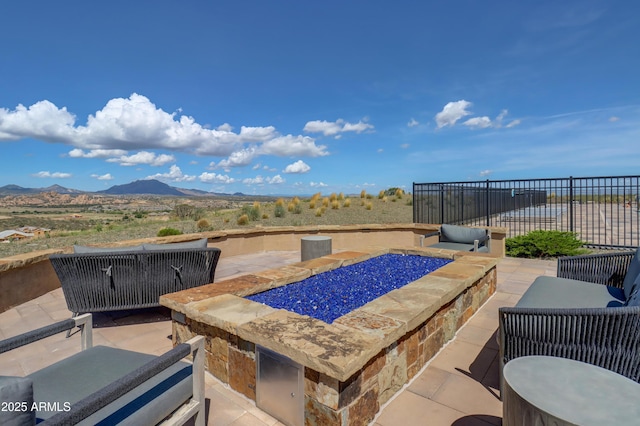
330 295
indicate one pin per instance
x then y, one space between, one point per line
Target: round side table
542 390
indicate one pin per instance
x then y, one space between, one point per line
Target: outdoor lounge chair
589 313
108 279
460 238
103 385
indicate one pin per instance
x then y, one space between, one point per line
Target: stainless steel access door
280 387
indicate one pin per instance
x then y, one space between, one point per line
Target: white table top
574 391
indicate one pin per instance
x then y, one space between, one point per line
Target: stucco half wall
27 276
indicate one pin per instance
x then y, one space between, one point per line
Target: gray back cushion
634 298
201 243
461 234
17 390
632 274
96 250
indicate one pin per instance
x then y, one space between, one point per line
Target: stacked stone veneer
353 366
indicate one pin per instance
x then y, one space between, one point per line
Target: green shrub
183 211
279 210
203 225
542 244
199 213
165 232
243 220
252 212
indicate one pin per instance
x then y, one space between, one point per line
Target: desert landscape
96 218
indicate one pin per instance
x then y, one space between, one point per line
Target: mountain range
138 187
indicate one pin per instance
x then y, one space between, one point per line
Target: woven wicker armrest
606 337
608 269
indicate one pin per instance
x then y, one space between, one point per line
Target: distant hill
149 186
19 190
61 190
196 192
13 190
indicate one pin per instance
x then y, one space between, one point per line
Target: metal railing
603 211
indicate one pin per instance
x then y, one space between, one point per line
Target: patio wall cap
25 259
21 260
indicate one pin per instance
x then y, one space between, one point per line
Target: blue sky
296 97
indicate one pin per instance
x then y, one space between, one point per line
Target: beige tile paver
458 387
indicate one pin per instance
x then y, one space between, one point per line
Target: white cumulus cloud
97 153
452 112
143 157
413 123
54 175
239 158
136 124
106 176
293 146
478 122
174 175
333 128
317 184
215 178
297 167
275 180
258 180
42 120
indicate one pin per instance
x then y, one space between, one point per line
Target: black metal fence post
488 204
442 218
571 212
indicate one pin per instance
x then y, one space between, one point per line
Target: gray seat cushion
84 373
17 394
453 246
552 292
201 243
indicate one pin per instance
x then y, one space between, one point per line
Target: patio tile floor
458 387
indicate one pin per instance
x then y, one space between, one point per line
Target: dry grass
96 231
